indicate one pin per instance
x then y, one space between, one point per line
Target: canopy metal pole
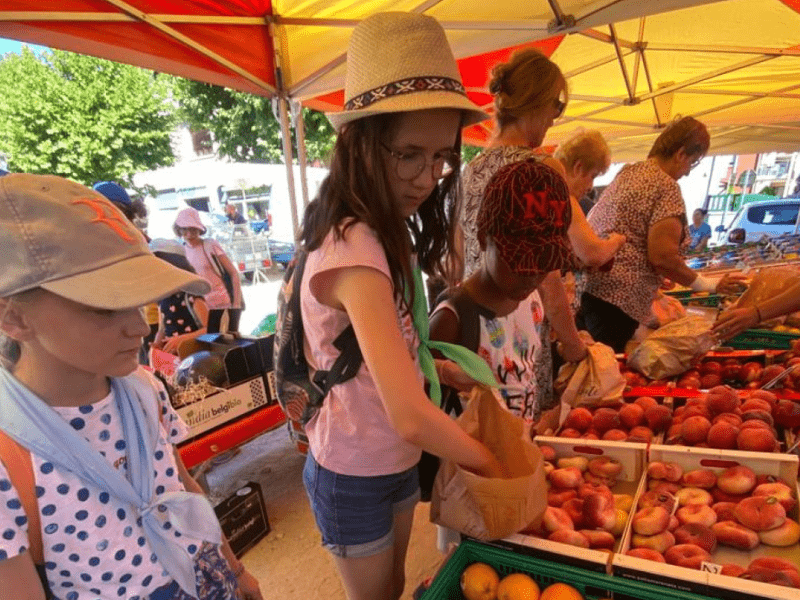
300 129
287 157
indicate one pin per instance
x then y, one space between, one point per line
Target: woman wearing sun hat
381 210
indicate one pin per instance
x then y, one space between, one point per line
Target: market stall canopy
632 64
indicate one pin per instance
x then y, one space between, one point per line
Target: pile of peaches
683 516
722 419
731 371
582 510
639 421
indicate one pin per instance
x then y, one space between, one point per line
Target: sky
7 46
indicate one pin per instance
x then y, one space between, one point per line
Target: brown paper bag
489 508
594 381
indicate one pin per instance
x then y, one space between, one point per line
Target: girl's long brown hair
357 188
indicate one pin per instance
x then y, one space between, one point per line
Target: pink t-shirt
351 434
199 258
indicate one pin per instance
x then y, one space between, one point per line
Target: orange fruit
560 591
479 582
517 586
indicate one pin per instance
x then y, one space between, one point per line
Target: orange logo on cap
108 214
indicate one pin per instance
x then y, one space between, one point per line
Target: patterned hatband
405 86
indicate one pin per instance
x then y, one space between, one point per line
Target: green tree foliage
82 117
244 126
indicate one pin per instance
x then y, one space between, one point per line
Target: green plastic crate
762 339
593 586
712 300
679 293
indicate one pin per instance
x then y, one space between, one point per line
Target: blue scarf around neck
36 426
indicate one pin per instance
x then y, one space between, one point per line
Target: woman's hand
248 587
734 321
171 344
732 283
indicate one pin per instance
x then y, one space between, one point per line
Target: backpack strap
19 464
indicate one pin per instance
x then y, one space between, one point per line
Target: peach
660 470
623 502
604 466
548 468
579 462
697 410
689 556
755 404
567 536
695 429
640 434
722 435
736 480
658 417
779 490
727 417
697 534
666 486
570 477
776 563
645 402
619 524
702 478
693 495
615 435
724 510
599 512
720 496
758 415
722 399
653 498
760 513
599 539
697 513
651 520
605 419
579 418
784 535
735 535
599 479
674 523
631 415
646 554
548 452
710 380
770 569
586 489
555 519
765 395
557 496
756 440
732 570
574 509
658 542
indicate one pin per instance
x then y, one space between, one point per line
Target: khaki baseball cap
70 240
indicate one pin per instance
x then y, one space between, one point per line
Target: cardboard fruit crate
630 456
707 581
592 586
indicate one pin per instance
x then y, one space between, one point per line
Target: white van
764 217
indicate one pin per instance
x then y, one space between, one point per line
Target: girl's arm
592 250
366 295
248 585
201 310
234 273
158 341
556 307
20 579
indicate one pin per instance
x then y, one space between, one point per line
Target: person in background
644 203
182 316
119 515
212 264
136 213
233 214
379 214
520 247
699 231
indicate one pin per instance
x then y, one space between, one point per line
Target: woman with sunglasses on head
644 202
530 93
380 215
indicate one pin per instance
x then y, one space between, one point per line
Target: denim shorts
356 514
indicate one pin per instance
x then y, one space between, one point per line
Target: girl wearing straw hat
379 214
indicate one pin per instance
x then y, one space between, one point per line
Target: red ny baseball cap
526 210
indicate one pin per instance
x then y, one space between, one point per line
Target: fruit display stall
685 488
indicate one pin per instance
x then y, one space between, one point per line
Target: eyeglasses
409 165
696 162
560 106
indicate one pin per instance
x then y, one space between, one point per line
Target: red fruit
578 418
695 430
615 435
722 435
645 402
710 380
605 419
750 371
730 372
771 372
569 433
787 413
631 415
710 366
756 440
722 399
658 418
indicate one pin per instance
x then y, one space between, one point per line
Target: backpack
19 465
300 395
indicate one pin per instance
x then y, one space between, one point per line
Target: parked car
765 217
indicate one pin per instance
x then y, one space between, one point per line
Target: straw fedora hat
400 62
